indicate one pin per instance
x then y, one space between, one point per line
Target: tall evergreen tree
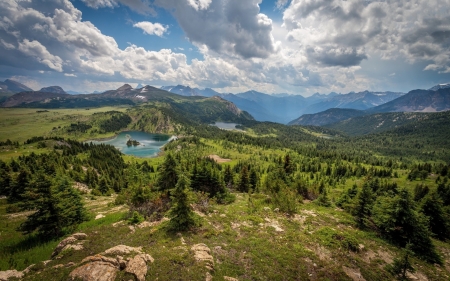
168 176
228 176
433 208
244 180
398 220
58 207
181 214
363 205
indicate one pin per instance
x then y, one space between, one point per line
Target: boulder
8 274
226 278
79 236
122 250
71 240
138 266
202 254
95 271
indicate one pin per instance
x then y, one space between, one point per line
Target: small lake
149 144
225 126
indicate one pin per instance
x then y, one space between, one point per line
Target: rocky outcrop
74 242
123 250
103 268
203 254
97 268
9 274
138 266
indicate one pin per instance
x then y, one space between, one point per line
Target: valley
349 200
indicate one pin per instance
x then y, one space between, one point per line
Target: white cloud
138 6
345 32
6 45
228 27
199 4
70 75
152 28
39 52
281 3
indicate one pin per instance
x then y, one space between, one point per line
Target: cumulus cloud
39 52
152 28
199 4
139 6
343 33
230 27
281 3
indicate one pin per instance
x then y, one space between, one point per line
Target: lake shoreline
151 144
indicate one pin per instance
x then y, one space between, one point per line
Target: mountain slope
279 109
13 86
418 101
328 116
361 101
381 122
53 89
181 90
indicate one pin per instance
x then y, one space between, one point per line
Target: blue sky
278 46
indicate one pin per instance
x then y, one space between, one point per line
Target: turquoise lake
150 144
225 126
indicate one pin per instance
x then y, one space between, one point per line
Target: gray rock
95 271
138 266
6 275
123 250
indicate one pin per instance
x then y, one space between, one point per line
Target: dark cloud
231 27
336 57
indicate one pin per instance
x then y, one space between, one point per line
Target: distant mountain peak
53 89
440 86
14 86
125 87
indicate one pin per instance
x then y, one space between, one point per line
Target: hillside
418 101
328 116
360 101
380 122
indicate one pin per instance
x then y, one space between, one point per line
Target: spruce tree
244 180
168 177
363 205
433 209
181 214
403 265
58 207
228 176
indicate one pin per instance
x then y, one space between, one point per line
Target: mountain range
414 101
316 110
284 108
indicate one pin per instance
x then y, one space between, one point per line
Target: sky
278 46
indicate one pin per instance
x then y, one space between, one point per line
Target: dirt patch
369 256
385 256
353 273
218 159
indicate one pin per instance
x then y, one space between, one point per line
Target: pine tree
433 208
228 176
168 177
403 265
288 166
363 205
57 208
398 220
181 214
244 180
